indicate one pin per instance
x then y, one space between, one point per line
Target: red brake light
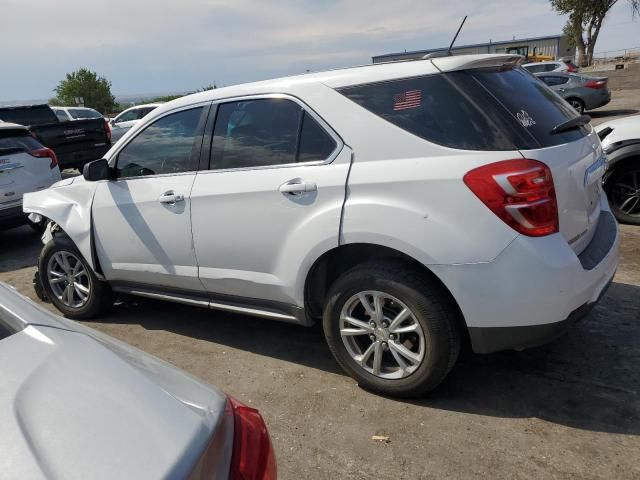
597 84
45 152
520 192
253 457
107 130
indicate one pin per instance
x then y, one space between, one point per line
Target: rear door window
553 80
315 143
62 115
79 113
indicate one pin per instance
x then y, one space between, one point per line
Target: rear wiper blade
571 124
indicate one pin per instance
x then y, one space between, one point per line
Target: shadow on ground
19 248
589 379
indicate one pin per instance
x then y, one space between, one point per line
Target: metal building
556 46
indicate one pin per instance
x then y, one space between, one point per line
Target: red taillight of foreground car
596 84
520 192
253 457
45 152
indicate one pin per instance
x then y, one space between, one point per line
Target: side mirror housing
96 170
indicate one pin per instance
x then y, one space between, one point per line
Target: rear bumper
534 289
495 339
597 102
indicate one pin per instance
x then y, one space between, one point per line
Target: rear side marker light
520 192
45 152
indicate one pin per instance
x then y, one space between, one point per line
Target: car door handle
297 187
171 198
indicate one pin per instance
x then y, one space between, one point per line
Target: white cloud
160 45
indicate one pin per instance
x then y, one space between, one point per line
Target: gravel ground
567 410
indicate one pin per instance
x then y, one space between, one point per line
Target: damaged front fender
68 204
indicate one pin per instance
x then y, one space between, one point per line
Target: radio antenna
456 35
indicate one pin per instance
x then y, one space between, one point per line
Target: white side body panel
252 240
140 239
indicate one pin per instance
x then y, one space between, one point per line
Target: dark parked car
581 91
75 142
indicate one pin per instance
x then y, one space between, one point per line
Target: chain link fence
626 55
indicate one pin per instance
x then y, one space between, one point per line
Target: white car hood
627 128
77 404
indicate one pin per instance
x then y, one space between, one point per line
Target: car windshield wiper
571 124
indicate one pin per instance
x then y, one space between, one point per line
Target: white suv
25 166
405 205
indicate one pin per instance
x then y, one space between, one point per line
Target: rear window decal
406 100
525 119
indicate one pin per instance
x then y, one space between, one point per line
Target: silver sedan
77 404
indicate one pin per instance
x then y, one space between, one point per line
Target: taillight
597 84
571 68
253 457
45 152
520 192
107 130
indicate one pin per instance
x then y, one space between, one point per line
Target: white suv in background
123 122
404 205
25 166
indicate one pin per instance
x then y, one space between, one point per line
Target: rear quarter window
435 109
487 109
532 103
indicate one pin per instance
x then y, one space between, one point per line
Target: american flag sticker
406 100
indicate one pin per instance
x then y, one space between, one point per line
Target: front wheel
69 281
392 328
623 190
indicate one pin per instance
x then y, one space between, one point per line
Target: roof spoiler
464 62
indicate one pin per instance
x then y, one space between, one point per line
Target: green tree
95 90
585 21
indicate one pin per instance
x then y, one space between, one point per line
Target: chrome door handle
297 187
171 198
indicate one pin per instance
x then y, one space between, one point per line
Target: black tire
627 173
577 104
431 307
100 297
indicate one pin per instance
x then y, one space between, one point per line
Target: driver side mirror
97 170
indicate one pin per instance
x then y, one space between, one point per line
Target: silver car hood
75 403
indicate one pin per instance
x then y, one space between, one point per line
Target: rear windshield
78 113
471 110
36 115
12 141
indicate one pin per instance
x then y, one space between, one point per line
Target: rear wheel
391 328
577 104
623 189
69 282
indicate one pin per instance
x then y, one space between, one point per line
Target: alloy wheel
382 335
68 279
625 193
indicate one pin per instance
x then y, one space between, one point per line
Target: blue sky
145 46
